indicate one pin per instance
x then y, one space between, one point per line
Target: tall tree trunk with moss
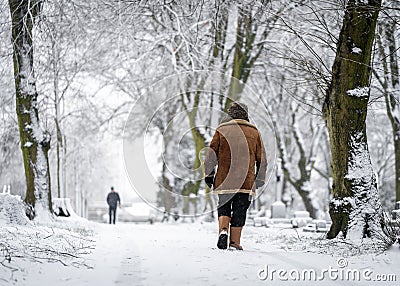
35 143
355 208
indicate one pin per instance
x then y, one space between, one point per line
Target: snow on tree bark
35 143
355 209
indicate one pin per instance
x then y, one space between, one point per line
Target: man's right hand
209 181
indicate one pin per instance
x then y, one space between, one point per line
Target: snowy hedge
12 210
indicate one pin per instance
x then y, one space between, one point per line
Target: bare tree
297 153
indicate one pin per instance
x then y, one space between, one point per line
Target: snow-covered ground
185 254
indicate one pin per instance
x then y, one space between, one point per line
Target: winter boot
236 232
223 222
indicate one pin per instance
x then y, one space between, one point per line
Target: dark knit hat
238 110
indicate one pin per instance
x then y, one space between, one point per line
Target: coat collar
237 121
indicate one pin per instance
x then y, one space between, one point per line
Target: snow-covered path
184 254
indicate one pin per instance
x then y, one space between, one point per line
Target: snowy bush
12 210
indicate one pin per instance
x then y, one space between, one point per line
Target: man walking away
113 200
239 153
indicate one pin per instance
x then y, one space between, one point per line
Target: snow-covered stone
278 210
301 218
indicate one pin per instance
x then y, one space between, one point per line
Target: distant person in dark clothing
165 217
113 200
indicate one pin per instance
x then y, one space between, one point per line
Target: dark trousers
235 206
112 213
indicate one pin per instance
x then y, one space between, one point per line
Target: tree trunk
245 35
199 143
392 96
167 199
166 194
355 208
57 101
198 138
35 143
59 159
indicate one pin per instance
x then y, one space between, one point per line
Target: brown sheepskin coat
237 151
